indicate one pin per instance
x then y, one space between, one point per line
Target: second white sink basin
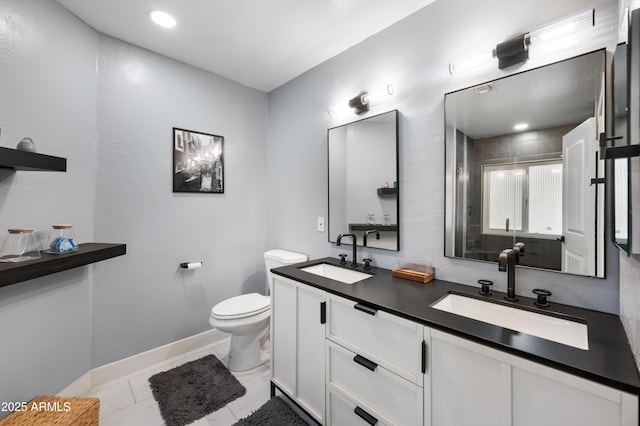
567 332
337 273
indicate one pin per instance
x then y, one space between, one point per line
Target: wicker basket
56 411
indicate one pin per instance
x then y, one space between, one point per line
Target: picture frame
198 162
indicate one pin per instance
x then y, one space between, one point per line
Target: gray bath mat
193 390
274 412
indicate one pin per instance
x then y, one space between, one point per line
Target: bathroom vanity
376 352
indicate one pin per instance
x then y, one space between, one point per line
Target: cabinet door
283 335
543 396
468 387
298 344
311 351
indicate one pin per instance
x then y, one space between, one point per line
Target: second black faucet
354 261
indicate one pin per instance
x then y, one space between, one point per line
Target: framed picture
198 162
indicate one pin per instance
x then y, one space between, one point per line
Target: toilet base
244 352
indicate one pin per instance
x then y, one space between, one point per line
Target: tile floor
128 401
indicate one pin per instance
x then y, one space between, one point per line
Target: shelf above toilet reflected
365 227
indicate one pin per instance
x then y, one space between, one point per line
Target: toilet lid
241 306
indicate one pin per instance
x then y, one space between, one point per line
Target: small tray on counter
408 274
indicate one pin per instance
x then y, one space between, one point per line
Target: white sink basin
567 332
337 273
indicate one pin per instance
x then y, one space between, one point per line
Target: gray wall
630 300
144 300
414 56
47 92
109 108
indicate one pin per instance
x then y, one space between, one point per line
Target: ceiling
259 43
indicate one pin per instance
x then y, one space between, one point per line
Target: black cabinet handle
364 308
424 357
366 363
365 416
323 312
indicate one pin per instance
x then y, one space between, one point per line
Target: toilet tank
279 257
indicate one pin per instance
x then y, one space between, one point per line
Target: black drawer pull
368 364
364 308
365 416
424 357
323 312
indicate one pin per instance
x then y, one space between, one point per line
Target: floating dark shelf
11 273
387 191
365 227
22 160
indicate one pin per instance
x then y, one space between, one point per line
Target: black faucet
354 263
507 263
366 234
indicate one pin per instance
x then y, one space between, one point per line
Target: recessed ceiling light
162 18
521 126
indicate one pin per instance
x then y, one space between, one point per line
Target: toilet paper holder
191 265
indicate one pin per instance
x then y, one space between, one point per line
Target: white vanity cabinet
347 363
298 344
374 365
476 385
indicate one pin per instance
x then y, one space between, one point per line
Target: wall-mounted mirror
522 166
363 181
621 212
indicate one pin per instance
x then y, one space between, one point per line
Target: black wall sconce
513 51
360 103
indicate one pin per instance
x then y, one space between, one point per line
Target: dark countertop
609 359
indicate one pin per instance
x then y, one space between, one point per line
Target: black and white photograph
198 162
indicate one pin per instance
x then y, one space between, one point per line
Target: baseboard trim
124 367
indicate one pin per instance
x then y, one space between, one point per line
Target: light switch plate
320 224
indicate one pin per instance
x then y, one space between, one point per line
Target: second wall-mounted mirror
522 166
363 181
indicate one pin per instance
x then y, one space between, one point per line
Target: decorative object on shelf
198 162
20 245
62 239
371 219
26 144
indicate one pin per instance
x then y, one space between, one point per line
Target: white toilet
246 317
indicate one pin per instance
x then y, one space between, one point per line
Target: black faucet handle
485 287
367 263
343 258
542 297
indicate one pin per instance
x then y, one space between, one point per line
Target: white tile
145 413
140 383
113 397
258 393
222 417
245 377
222 349
129 401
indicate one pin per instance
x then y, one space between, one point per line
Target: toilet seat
245 305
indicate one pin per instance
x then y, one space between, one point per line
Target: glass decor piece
62 239
19 245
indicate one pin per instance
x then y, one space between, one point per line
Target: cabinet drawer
390 341
343 410
394 397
